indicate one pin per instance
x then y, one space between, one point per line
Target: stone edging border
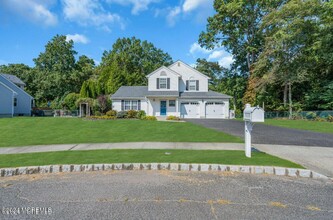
278 171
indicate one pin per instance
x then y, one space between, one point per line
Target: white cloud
190 5
77 38
33 10
172 15
90 13
137 5
224 58
195 47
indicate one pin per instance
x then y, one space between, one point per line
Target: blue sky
172 25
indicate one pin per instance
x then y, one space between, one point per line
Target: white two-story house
178 90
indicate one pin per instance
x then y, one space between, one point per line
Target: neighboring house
177 90
13 99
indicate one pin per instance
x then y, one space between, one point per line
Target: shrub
173 118
122 114
330 118
111 113
319 119
97 113
311 115
103 117
131 114
141 114
150 118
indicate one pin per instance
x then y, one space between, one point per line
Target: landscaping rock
184 167
215 167
269 170
258 170
204 167
234 168
174 166
304 173
164 166
244 169
55 168
279 171
154 166
292 172
194 167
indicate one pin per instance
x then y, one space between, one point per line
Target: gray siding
6 104
23 99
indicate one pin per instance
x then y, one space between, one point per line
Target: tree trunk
290 102
285 91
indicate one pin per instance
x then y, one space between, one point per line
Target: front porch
163 107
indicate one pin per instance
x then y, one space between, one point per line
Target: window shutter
186 84
197 86
122 105
168 83
158 83
139 105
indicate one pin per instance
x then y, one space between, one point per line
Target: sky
94 25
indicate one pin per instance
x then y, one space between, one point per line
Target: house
13 99
178 90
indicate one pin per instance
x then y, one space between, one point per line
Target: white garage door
215 110
189 110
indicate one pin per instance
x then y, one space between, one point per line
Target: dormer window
163 82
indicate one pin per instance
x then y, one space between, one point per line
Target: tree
128 63
55 67
211 69
236 27
287 52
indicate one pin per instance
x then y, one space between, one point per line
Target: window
127 105
172 103
134 105
130 105
15 101
192 85
163 83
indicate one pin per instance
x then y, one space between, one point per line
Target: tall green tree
288 55
128 63
236 27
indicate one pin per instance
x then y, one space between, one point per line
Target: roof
203 95
5 86
135 92
13 79
130 92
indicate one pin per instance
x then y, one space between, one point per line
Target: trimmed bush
112 113
122 114
97 113
330 118
103 117
141 114
131 114
173 118
149 118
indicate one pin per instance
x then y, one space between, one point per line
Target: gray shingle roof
13 79
202 95
129 92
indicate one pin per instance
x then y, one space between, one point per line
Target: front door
163 108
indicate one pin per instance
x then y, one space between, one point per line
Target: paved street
167 195
265 134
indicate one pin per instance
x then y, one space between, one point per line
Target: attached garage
190 110
215 110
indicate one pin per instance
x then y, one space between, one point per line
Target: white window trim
173 105
164 84
192 85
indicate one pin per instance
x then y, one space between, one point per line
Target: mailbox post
251 115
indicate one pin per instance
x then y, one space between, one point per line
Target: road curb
66 168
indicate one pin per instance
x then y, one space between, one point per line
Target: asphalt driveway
266 134
165 195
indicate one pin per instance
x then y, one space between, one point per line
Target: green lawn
26 131
142 156
317 126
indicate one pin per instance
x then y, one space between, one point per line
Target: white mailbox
254 114
250 115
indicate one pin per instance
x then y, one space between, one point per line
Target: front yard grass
316 126
27 131
229 157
